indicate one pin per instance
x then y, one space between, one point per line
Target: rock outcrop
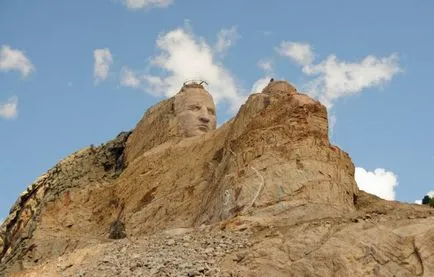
34 226
266 194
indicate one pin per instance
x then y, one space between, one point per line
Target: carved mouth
203 128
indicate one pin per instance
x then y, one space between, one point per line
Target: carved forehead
192 96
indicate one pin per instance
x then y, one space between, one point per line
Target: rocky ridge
266 194
89 167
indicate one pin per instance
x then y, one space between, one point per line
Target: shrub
426 200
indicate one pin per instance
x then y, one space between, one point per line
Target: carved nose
204 116
204 119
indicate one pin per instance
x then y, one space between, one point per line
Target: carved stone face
195 111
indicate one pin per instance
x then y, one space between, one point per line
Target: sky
76 73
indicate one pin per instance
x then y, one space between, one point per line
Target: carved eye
194 107
211 111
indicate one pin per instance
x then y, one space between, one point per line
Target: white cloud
225 39
430 194
337 79
9 110
301 53
260 84
182 57
379 182
13 59
103 60
129 78
266 65
146 4
333 79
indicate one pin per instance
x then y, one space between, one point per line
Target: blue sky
75 73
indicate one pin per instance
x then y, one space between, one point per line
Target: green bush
426 200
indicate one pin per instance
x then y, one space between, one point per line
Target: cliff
266 194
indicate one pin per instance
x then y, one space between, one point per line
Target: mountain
265 194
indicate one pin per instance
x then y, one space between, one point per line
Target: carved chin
198 131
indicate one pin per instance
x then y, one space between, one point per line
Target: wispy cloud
379 182
266 65
13 59
225 39
260 84
266 33
129 78
102 61
332 79
301 53
146 4
9 109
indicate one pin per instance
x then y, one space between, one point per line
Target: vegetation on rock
427 200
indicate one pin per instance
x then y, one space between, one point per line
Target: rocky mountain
266 194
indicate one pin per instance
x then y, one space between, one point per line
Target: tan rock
195 111
284 196
280 87
173 118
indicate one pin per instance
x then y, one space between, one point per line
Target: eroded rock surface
266 194
41 212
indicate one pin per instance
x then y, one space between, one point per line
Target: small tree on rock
426 199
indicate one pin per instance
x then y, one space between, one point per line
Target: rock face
43 209
266 194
